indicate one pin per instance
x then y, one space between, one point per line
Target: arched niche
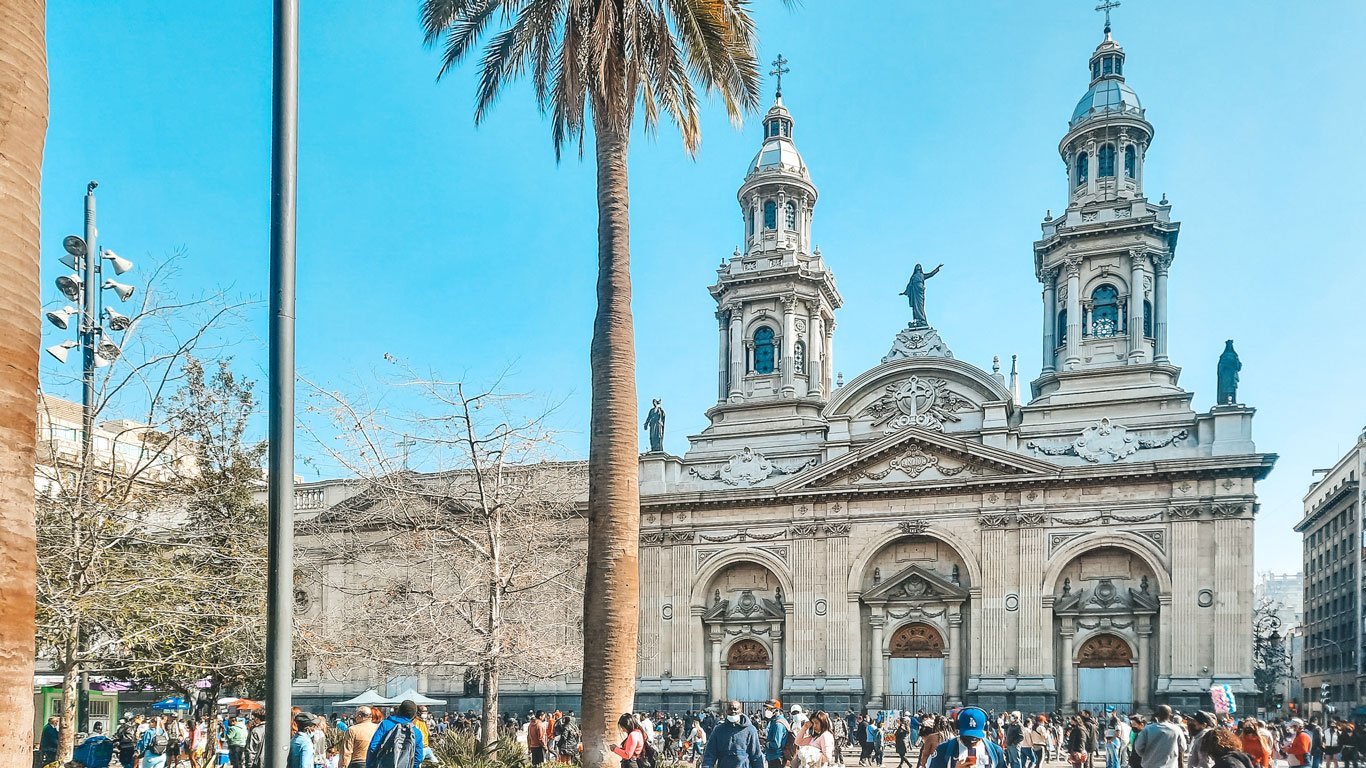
933 556
1104 650
916 640
748 654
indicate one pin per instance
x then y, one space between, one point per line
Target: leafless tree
472 563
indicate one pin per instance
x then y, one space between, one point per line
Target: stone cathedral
922 536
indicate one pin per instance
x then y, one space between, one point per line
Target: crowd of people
770 737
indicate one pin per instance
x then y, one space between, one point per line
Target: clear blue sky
931 130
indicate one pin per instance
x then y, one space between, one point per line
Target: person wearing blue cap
971 749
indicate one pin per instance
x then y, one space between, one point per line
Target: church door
747 674
916 668
1105 674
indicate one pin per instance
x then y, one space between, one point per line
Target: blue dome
1108 95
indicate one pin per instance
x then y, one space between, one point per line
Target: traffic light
1324 689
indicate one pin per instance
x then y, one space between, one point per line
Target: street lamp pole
280 480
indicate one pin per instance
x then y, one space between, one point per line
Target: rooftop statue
654 422
915 293
1229 366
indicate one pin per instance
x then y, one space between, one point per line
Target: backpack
159 743
398 749
126 737
649 757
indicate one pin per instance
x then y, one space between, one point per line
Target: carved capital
1073 265
1162 262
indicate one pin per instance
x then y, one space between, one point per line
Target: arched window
749 222
1083 167
1062 328
1147 318
790 215
1130 161
763 350
1107 160
770 215
1105 311
799 358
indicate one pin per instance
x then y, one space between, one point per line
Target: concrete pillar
717 692
789 382
830 357
1161 262
1142 672
815 363
723 383
1092 166
954 665
1073 312
1138 351
775 680
879 658
1050 320
1068 669
737 353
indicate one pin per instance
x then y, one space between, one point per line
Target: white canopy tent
372 699
368 699
412 695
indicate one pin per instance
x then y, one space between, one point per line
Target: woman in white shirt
816 742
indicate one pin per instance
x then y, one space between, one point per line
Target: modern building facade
1284 591
1334 546
917 536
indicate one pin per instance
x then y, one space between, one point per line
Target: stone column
717 692
954 665
879 659
830 357
757 216
775 682
789 346
737 353
815 352
1067 666
1050 320
1161 262
1137 344
723 383
1138 163
1092 166
1142 672
1073 312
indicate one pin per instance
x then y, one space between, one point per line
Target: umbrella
367 699
244 705
412 695
175 702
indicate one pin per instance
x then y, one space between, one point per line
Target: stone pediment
916 584
1106 598
914 455
747 607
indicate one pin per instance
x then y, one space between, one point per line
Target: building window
1147 318
1105 311
790 215
1107 65
1095 69
773 128
1107 161
1119 66
770 215
763 350
749 222
1130 161
1062 328
799 358
1083 168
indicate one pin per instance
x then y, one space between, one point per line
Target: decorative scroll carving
917 611
748 654
748 468
994 521
1104 650
656 537
680 537
914 461
1032 519
917 641
1186 511
916 402
1106 442
913 527
1139 518
741 536
806 529
838 529
1235 509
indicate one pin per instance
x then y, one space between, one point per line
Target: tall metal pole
280 500
90 339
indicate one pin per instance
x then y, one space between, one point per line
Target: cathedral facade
921 536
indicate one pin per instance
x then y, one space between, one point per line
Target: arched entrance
748 669
915 664
1105 674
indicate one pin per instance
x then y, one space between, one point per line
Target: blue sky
931 130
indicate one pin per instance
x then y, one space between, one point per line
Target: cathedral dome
778 152
1106 96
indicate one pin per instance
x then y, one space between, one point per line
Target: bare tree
475 565
117 548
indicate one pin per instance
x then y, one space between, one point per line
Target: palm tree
23 128
598 60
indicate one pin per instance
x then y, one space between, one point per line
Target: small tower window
749 222
1083 168
1119 65
799 358
1107 160
1105 311
1107 65
790 215
1147 318
1062 328
770 215
1130 161
772 128
763 350
1095 69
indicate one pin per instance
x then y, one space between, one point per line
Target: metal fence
1098 707
917 703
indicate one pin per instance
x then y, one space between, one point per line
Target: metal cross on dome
780 69
1107 6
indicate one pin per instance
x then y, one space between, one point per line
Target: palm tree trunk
611 599
23 128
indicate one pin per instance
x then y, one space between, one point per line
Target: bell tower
1104 261
775 297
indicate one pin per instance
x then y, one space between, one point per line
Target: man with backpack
397 743
126 740
777 735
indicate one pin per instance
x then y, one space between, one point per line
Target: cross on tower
779 69
1107 6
